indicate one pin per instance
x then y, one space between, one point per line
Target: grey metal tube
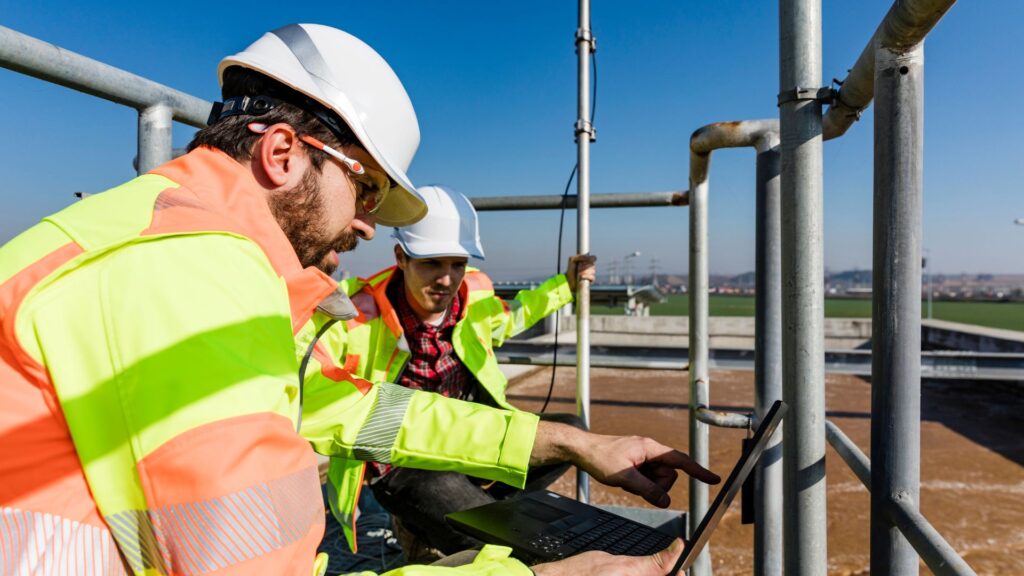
698 351
937 554
43 60
906 24
804 492
849 452
703 141
902 510
768 356
554 201
155 125
722 419
584 131
896 301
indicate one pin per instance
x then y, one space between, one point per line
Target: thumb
667 558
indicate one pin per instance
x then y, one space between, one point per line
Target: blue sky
494 85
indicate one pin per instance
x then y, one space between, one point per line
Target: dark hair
232 135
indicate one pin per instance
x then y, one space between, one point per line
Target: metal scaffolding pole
45 61
154 137
557 201
896 307
584 133
804 491
698 352
768 356
906 24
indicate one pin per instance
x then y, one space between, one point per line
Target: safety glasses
374 185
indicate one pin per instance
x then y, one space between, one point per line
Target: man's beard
300 213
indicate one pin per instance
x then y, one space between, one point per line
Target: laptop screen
731 487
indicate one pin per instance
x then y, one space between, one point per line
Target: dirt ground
972 458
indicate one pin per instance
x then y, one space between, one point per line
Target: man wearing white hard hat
430 323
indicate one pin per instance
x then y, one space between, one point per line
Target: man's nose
445 279
364 225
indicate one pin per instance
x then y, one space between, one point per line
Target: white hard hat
449 229
341 72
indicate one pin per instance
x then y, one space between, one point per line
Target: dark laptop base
544 526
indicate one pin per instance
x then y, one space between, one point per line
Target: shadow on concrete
986 413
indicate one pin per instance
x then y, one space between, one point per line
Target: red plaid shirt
433 365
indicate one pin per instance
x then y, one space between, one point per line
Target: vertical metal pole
768 357
698 350
896 296
584 132
155 123
803 342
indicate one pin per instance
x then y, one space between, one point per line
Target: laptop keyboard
607 532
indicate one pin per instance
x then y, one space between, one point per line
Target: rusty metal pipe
906 24
764 136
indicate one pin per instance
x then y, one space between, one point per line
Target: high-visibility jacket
149 391
372 346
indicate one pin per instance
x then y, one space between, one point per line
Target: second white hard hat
341 72
450 227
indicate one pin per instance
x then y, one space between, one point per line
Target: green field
1006 315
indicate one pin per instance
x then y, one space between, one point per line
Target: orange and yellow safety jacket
149 392
372 346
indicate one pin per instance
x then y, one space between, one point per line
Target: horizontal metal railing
556 201
45 61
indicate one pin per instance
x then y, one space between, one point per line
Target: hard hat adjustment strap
249 105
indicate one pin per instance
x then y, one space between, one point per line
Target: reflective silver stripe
378 434
40 543
201 537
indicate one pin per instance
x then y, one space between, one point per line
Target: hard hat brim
439 250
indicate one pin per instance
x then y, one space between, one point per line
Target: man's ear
279 157
400 257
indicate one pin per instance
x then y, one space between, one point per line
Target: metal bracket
825 95
585 127
587 36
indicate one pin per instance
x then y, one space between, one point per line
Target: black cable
561 228
558 270
304 363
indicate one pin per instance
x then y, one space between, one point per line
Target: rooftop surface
972 458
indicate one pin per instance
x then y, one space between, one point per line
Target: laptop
543 526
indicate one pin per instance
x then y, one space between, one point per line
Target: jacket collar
216 190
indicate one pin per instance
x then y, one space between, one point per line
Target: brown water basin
972 458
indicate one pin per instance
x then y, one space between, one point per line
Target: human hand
604 564
636 464
640 466
581 266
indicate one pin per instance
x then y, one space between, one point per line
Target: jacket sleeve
346 416
491 561
528 307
